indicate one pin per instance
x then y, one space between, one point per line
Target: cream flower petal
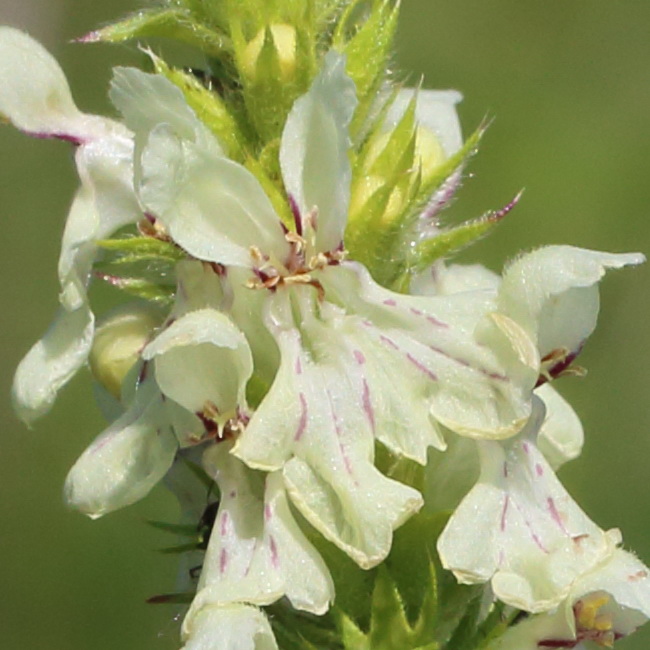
146 100
435 110
552 294
234 627
317 422
445 280
314 151
520 529
257 553
561 436
125 462
213 208
34 93
202 361
52 362
470 393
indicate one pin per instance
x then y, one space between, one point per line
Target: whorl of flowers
376 430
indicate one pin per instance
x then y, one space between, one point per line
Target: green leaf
450 241
181 548
352 636
464 636
185 530
136 249
139 287
389 627
175 24
367 50
171 599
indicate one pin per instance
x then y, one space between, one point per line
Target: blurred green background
568 83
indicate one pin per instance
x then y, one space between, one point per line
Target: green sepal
199 473
140 249
172 599
178 550
368 50
352 636
175 24
208 106
373 235
184 530
139 287
451 241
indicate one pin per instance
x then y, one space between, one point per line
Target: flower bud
284 40
119 338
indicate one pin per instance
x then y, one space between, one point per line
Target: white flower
230 627
340 336
35 97
604 606
519 529
257 553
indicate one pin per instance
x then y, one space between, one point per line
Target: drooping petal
232 627
52 362
146 100
314 151
203 362
519 529
34 93
552 294
561 436
257 553
125 462
212 207
317 423
435 110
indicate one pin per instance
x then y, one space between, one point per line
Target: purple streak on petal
225 520
505 470
275 560
555 515
223 561
539 470
430 319
533 534
251 558
390 302
298 366
66 137
268 513
467 364
526 447
302 424
390 342
297 217
337 428
360 358
504 513
557 643
367 405
421 367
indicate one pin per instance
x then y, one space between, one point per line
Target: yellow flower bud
428 151
363 191
119 338
284 39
